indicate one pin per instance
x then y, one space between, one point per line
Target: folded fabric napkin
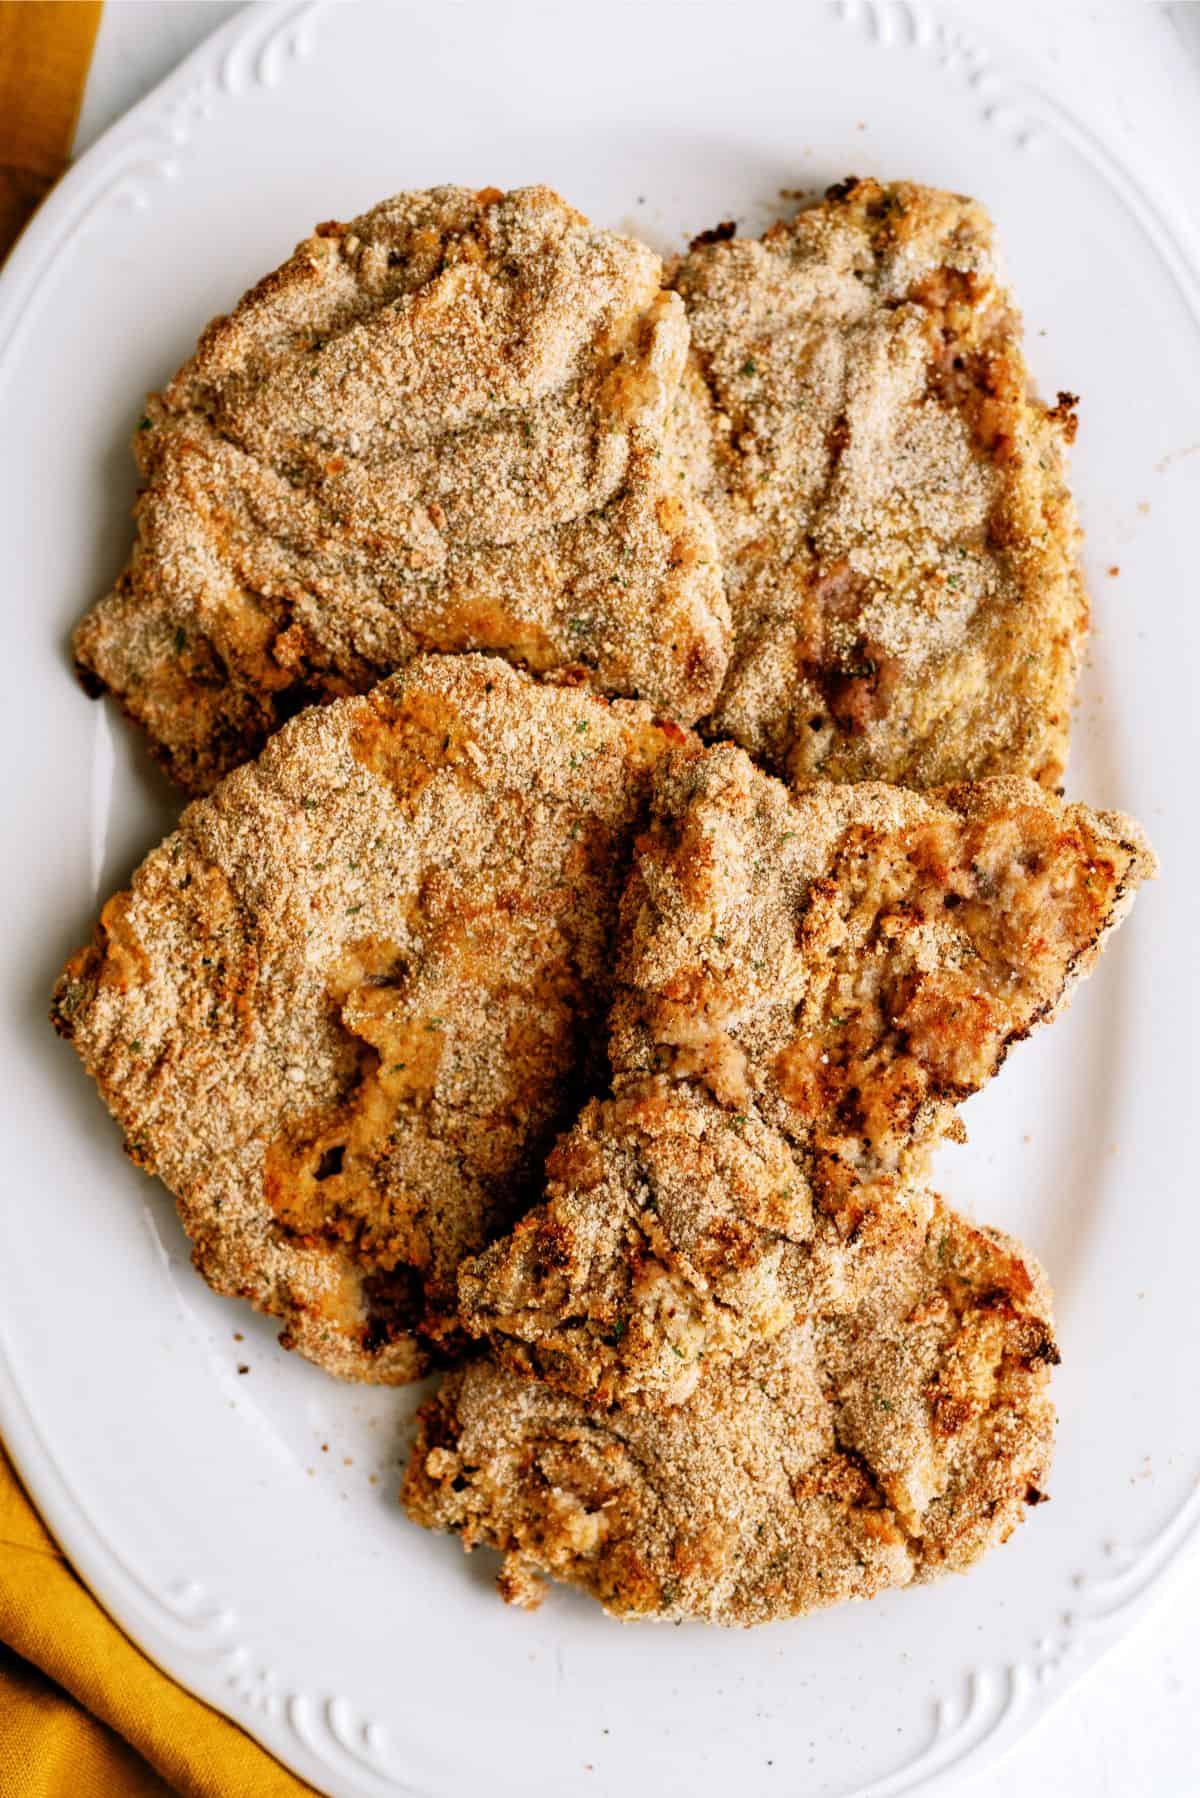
83 1713
45 50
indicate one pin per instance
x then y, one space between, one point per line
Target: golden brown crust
674 1236
809 985
443 426
853 961
851 1453
899 541
343 1009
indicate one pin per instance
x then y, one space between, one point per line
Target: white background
1134 1725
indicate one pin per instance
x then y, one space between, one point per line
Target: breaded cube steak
856 959
809 985
443 426
898 538
344 1008
851 1453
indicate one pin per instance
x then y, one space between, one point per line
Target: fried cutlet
344 1008
673 1237
441 427
809 985
899 542
856 960
851 1453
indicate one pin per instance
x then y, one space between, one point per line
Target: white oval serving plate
243 1527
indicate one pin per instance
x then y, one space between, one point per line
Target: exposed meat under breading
809 985
344 1008
891 502
851 1453
443 426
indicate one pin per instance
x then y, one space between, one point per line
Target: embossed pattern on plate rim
198 1636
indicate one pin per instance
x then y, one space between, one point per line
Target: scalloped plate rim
65 1513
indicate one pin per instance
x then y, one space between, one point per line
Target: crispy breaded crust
443 426
674 1236
856 960
899 541
809 986
851 1453
343 1009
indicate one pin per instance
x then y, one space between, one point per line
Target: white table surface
1132 1730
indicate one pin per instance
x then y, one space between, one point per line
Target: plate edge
249 51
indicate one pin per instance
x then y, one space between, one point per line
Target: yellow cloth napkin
45 49
83 1713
